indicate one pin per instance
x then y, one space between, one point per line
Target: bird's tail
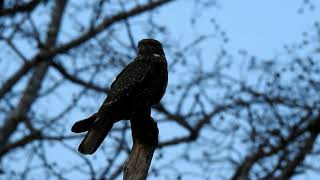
95 136
84 125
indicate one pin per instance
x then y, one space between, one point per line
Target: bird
140 85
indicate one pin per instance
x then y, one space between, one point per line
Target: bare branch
18 8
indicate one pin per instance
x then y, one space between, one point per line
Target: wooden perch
145 140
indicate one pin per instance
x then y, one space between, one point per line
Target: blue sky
260 27
263 27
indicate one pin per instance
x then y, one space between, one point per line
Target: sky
260 27
263 27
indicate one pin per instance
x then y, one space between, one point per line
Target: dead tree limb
145 139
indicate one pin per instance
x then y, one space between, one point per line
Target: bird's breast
159 82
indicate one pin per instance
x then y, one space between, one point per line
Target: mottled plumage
143 81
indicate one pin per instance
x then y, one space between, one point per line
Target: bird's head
150 47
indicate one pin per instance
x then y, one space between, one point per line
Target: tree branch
106 23
26 7
76 80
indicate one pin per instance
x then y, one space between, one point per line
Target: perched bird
142 82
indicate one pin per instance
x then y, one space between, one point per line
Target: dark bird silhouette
141 83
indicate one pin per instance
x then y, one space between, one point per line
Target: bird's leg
144 128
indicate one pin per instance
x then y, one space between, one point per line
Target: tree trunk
34 85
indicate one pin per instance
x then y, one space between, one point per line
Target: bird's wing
127 82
